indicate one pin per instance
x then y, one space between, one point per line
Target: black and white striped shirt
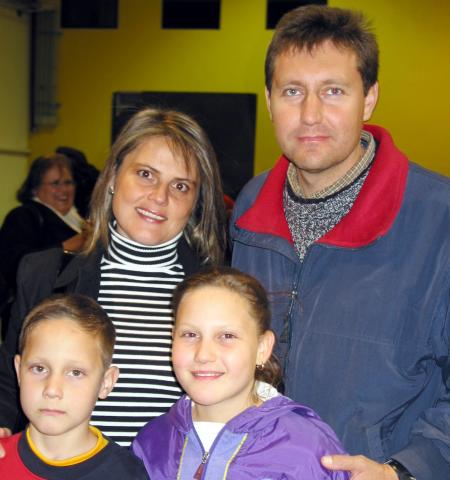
136 287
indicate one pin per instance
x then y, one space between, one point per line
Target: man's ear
370 101
109 380
17 360
265 347
268 103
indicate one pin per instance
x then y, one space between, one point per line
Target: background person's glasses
58 183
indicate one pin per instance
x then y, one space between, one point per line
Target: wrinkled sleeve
19 235
427 456
35 279
9 391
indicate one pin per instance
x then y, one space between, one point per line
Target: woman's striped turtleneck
136 287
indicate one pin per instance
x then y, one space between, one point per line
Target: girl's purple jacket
278 440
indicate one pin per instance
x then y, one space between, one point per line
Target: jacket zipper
298 283
199 472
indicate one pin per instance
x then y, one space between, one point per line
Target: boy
63 366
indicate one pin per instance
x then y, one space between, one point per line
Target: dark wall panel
89 13
277 8
228 119
204 14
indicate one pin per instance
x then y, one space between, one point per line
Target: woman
46 218
157 215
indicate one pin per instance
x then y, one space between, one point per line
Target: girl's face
216 347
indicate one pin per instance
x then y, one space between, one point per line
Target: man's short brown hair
308 27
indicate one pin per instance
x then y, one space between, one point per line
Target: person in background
233 423
47 218
157 216
351 242
85 176
63 366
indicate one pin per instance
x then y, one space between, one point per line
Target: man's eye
334 91
291 92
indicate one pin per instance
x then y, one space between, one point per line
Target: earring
260 366
111 190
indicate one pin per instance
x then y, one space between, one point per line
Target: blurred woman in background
47 218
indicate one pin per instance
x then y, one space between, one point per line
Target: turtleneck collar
128 252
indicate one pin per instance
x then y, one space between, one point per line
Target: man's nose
311 109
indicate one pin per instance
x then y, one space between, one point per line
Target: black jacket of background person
29 228
39 276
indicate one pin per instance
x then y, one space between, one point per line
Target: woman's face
57 189
154 193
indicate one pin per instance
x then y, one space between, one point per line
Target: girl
234 424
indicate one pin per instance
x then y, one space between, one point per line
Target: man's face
317 105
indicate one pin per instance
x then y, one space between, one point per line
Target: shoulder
252 188
300 426
311 432
429 185
11 462
287 437
27 211
163 436
188 258
41 264
157 430
48 262
10 443
119 462
247 196
426 203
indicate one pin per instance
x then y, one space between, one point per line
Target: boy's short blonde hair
82 310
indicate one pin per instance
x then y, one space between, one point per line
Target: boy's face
61 375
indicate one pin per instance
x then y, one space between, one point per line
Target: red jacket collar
371 216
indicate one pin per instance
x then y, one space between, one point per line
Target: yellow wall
414 37
14 73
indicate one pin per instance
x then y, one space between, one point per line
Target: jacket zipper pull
199 472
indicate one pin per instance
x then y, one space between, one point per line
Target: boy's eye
38 369
76 373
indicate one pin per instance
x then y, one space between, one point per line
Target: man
352 242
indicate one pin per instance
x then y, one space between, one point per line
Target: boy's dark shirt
112 463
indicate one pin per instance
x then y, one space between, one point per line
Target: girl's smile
216 347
